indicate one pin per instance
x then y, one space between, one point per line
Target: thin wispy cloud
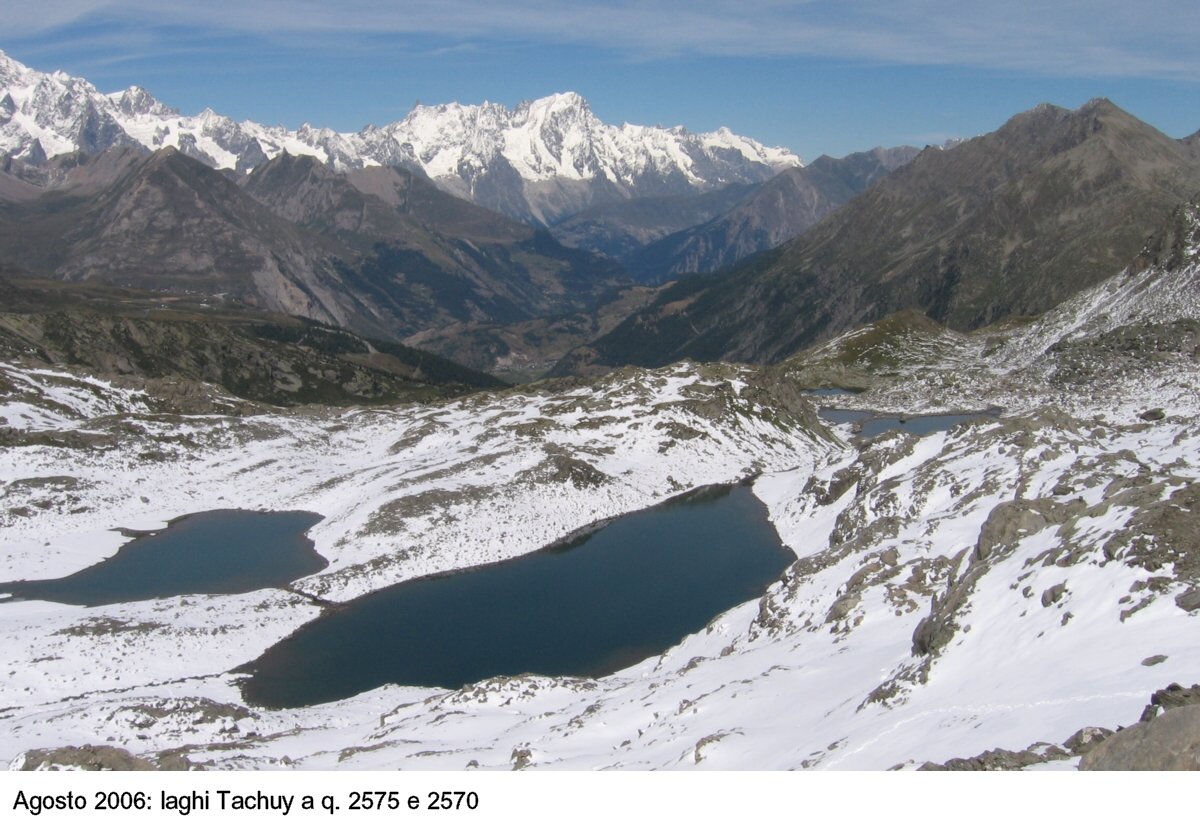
1099 38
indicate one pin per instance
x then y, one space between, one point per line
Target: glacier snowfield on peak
469 150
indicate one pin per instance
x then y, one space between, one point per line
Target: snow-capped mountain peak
539 161
136 101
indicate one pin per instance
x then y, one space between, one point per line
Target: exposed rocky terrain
1131 339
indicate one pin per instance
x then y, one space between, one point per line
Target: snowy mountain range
539 162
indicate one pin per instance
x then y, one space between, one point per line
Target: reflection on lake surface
829 391
627 591
218 551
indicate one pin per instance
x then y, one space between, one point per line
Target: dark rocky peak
183 183
1089 144
304 190
77 172
859 170
1007 224
289 169
784 207
83 174
289 177
1191 146
188 146
1049 129
414 196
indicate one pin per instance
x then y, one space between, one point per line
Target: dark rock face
1000 759
1011 521
1086 738
1052 594
1169 742
427 258
1189 601
1173 696
1080 742
1141 345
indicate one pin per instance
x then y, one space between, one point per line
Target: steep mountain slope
411 194
295 238
1005 224
14 189
538 162
782 208
166 222
431 258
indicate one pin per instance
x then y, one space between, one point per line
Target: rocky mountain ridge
1010 223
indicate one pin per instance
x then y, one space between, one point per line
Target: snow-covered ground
1000 585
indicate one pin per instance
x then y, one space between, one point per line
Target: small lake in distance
218 551
606 600
869 424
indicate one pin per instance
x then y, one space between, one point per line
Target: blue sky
818 76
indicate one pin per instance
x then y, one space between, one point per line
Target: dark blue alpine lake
218 551
586 607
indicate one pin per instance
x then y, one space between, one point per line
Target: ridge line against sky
817 76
